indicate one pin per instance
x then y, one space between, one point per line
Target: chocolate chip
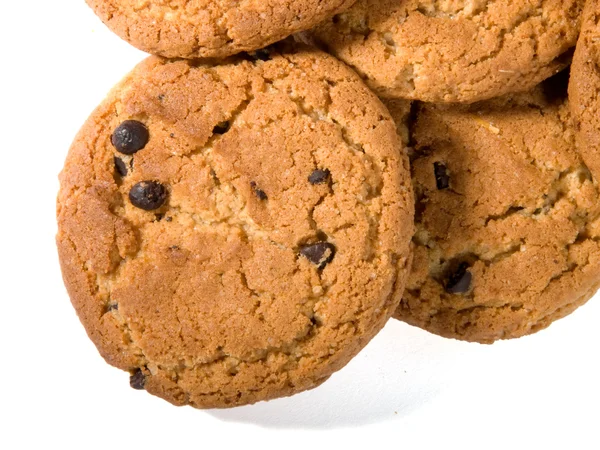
319 176
320 253
120 166
137 380
442 179
258 192
459 282
221 128
130 137
148 195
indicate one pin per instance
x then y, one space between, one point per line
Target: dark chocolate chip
130 137
442 179
319 176
221 128
320 253
258 192
137 380
148 195
120 166
459 282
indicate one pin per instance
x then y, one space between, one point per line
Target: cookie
210 28
507 217
237 232
584 86
453 51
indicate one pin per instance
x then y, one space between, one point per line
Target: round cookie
210 28
453 51
237 232
584 87
507 217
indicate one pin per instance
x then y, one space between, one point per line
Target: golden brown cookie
237 232
507 217
210 28
453 51
584 87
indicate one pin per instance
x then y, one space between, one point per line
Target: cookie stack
241 216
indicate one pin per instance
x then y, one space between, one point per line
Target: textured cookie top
210 28
238 232
584 87
507 218
453 51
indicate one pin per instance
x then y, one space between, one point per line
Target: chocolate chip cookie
210 28
236 232
507 217
584 88
453 51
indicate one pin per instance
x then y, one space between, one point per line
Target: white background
407 388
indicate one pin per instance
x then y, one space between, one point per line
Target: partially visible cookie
210 28
507 217
237 232
453 51
584 87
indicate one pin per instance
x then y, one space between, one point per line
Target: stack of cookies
243 214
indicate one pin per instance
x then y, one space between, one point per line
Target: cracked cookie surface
507 217
584 86
453 51
237 232
210 28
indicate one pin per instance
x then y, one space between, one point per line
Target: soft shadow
396 374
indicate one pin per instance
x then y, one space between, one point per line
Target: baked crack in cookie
237 232
584 87
210 28
452 50
507 217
